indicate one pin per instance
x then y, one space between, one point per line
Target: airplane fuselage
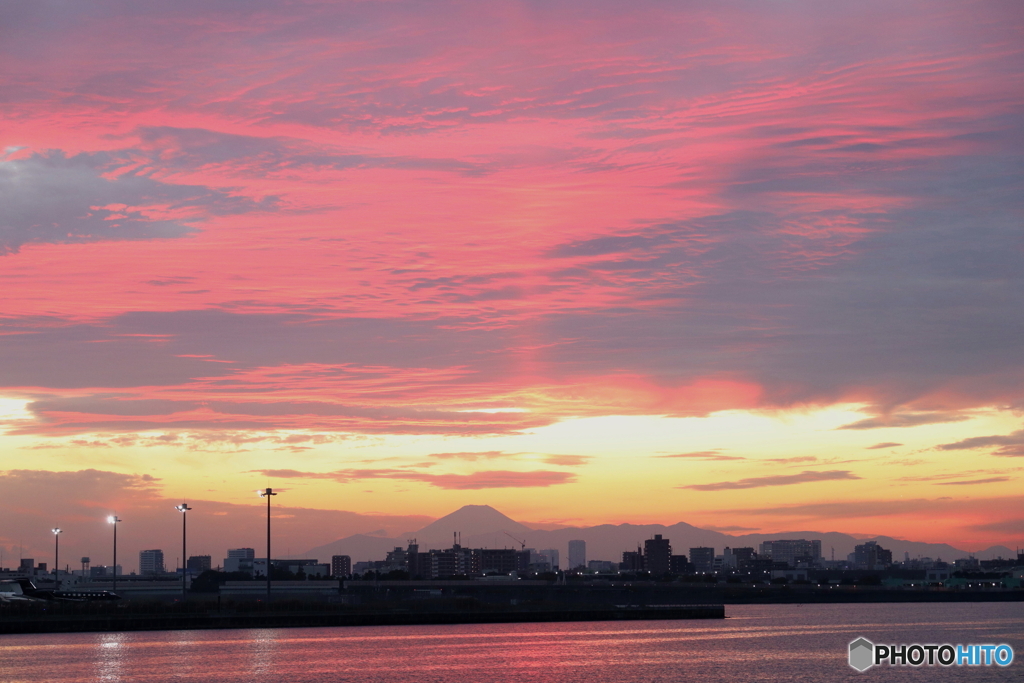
23 589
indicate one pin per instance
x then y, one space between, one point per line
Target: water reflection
262 647
766 642
111 652
182 648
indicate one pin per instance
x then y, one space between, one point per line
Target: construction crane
519 541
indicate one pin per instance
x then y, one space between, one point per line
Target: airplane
18 590
10 591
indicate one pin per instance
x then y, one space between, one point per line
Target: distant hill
484 527
359 547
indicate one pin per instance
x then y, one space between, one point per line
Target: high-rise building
498 560
743 555
702 559
793 551
341 566
522 561
397 560
416 562
870 555
454 561
577 554
658 555
151 562
735 558
632 561
678 564
197 564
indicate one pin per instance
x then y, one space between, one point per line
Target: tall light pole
113 519
183 509
267 494
56 557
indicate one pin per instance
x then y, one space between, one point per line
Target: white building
239 560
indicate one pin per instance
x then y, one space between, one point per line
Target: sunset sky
749 265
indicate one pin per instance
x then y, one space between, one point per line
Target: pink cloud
485 479
483 218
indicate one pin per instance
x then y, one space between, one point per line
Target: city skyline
491 530
757 268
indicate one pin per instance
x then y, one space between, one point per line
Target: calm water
757 643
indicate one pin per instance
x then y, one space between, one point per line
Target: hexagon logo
862 654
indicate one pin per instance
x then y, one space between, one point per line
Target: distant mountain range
481 526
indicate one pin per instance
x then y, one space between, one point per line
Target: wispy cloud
1013 527
971 482
774 480
566 460
702 455
471 456
1009 445
946 507
900 420
485 479
52 198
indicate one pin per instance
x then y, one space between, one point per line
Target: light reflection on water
262 644
109 654
757 643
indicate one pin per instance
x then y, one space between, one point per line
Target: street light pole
183 509
267 494
56 557
113 519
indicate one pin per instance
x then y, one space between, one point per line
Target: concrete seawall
58 623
